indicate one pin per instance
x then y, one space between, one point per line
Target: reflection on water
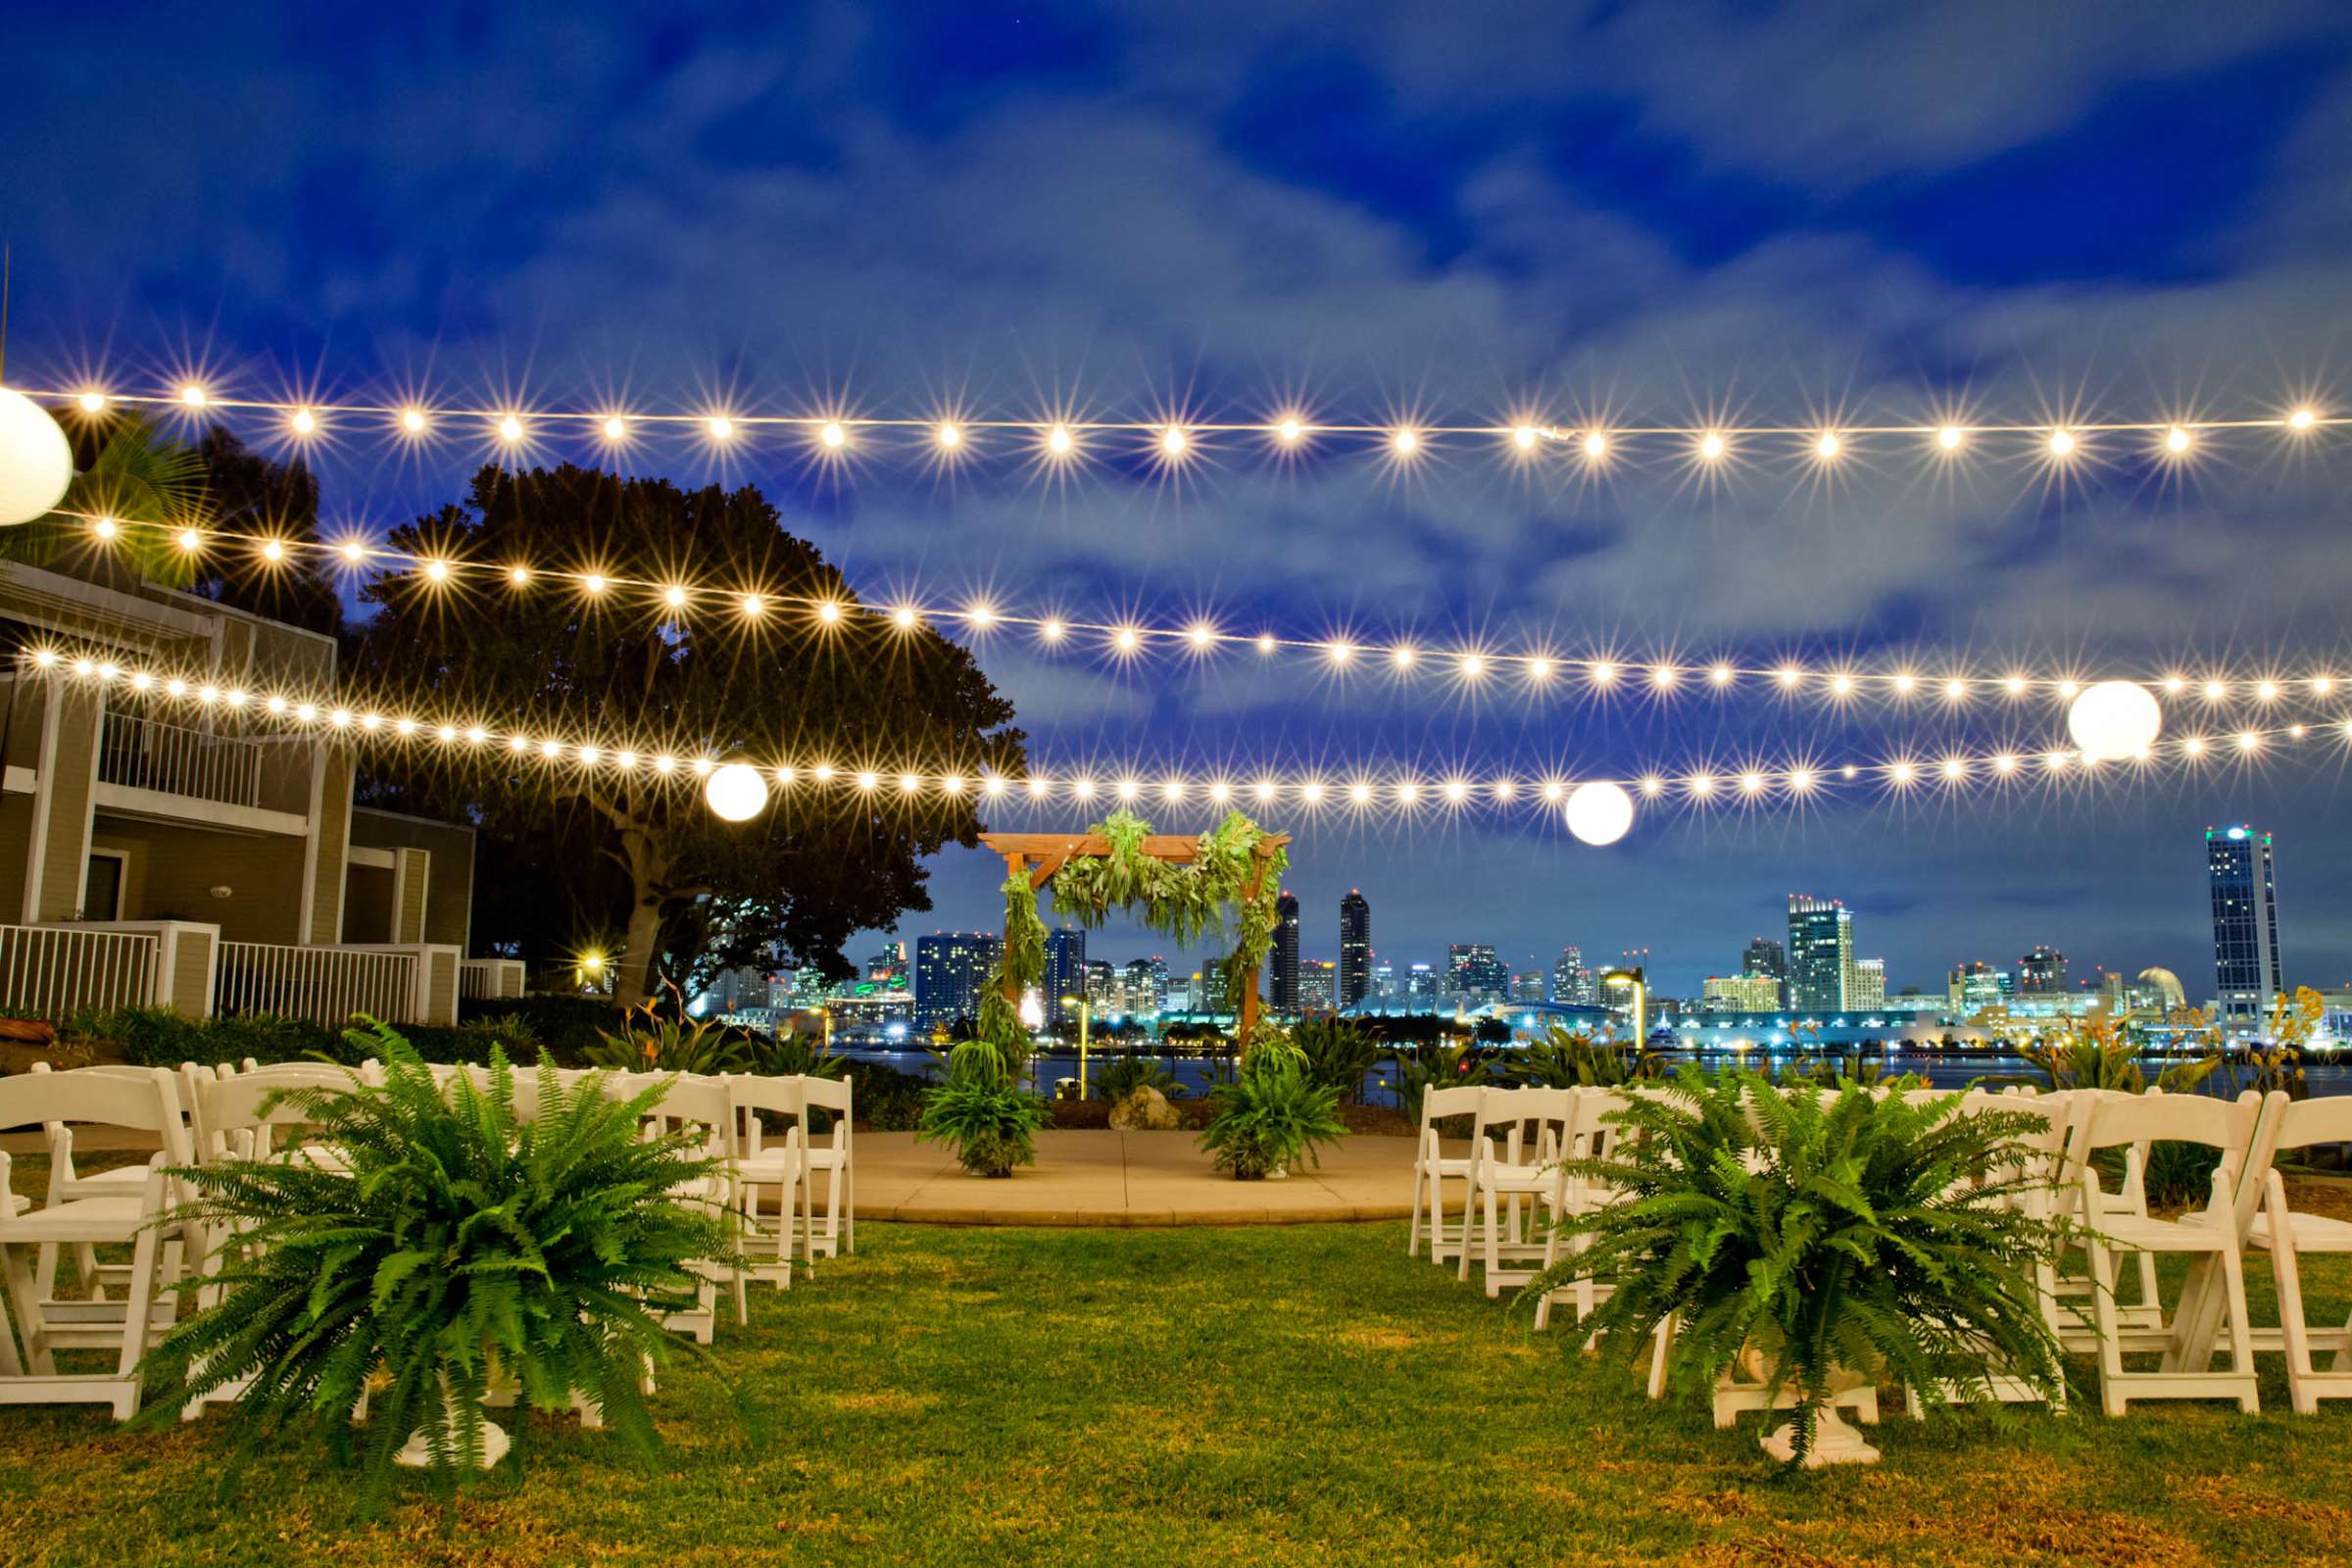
1200 1074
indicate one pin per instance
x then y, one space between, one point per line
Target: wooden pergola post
1050 851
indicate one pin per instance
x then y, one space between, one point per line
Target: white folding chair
1511 1182
2211 1238
1591 1137
831 1158
2290 1238
701 1105
762 1168
1433 1168
130 1326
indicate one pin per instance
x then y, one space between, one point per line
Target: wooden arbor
1038 856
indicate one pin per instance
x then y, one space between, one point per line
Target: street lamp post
1620 979
1085 1014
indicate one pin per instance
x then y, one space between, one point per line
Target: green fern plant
1122 1076
1339 1055
650 1043
981 1112
1829 1235
461 1249
141 477
1564 1059
1272 1116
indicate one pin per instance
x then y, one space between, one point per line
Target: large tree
575 856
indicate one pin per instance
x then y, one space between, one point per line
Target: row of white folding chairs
2247 1208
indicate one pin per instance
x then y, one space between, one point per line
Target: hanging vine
1020 968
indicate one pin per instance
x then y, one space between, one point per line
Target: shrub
1850 1235
981 1112
458 1248
1418 1069
567 1026
1122 1076
890 1101
794 1054
1271 1117
1339 1055
650 1043
1562 1059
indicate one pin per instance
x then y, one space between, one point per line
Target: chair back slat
146 1099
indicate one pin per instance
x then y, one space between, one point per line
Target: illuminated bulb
1701 785
1750 783
2067 688
1457 791
192 395
822 772
2062 443
340 718
1172 441
2194 746
674 596
2322 685
1265 642
2267 690
1843 684
952 784
1339 653
752 606
405 726
827 610
509 430
617 428
1955 689
2175 684
93 402
1524 438
1710 446
1264 791
2055 760
207 694
2214 690
176 687
1125 639
272 551
1950 437
1083 790
1312 792
85 668
437 570
1721 674
551 749
903 617
1473 667
1290 431
1359 793
1653 785
1172 791
1403 657
1129 789
1829 446
446 734
1539 670
2298 731
721 428
412 421
2300 419
276 705
1603 673
1504 789
47 659
1790 675
1597 446
520 576
1202 636
980 616
1059 442
910 784
144 682
1554 791
1954 768
949 437
594 583
476 735
1407 441
2014 685
2004 762
833 435
2247 741
1408 794
1801 780
1906 681
353 552
2176 440
1901 772
109 671
1848 771
992 787
1053 631
106 528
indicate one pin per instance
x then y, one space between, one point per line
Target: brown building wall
172 871
449 894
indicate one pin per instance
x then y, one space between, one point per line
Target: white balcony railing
148 753
52 970
325 985
489 979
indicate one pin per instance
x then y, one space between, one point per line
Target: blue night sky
1657 212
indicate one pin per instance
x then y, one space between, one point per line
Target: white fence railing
52 970
489 979
150 754
325 985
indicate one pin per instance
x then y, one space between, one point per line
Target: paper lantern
1600 813
35 462
2113 720
736 792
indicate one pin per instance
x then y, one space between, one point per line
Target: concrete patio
1139 1178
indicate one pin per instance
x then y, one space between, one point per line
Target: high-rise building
1765 956
1973 987
1102 989
1384 979
1821 951
1065 972
950 970
1866 984
1147 986
1318 986
2041 973
889 966
1355 949
1473 973
1571 981
1285 995
1420 983
1740 993
1527 987
2245 919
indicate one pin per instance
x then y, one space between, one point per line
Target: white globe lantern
35 462
1600 813
736 792
2113 720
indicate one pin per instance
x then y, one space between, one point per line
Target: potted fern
1814 1241
981 1112
1271 1120
453 1249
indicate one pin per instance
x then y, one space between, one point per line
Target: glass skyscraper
2245 919
1821 952
1286 954
950 968
1355 949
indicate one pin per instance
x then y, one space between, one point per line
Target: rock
1145 1109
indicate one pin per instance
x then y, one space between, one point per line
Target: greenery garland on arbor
1181 902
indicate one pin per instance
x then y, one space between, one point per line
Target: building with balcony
184 847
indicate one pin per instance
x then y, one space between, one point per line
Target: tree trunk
630 980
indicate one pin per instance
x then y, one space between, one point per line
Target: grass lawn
1250 1396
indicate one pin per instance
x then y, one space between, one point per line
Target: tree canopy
574 856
